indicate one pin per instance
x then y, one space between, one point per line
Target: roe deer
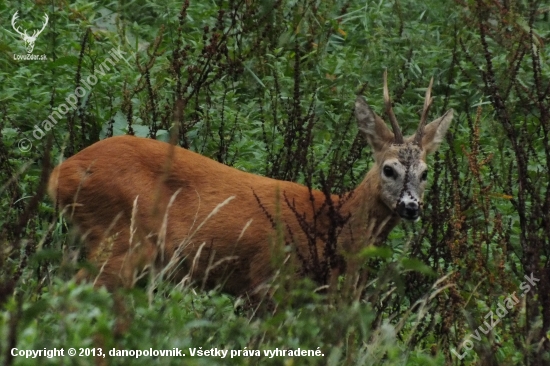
140 202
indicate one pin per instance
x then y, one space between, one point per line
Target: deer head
400 162
29 40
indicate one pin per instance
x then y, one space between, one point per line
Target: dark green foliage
268 87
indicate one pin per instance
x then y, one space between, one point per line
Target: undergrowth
268 87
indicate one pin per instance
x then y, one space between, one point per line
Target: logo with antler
29 40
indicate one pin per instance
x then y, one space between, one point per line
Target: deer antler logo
29 40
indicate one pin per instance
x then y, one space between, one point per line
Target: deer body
140 202
107 189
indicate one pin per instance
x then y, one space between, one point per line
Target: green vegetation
268 87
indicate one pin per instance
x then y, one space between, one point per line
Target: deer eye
388 171
424 175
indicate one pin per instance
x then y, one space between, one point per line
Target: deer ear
435 131
371 126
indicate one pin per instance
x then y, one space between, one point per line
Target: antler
13 19
387 101
427 103
37 33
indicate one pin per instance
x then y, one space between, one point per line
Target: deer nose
409 211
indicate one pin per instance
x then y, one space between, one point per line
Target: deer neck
370 220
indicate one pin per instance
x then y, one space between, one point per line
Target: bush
268 87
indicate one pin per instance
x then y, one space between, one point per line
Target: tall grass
267 87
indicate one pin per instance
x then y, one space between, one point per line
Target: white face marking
403 182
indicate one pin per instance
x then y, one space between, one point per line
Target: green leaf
416 265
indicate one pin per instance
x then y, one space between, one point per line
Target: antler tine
46 18
387 101
427 104
15 28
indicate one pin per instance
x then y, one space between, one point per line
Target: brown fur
98 186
